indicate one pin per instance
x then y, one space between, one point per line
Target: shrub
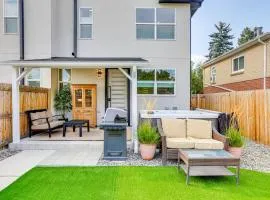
235 137
147 134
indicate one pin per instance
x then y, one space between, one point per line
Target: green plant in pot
148 138
236 141
63 100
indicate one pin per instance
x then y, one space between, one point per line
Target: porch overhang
82 62
58 62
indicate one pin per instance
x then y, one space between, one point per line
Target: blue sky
239 13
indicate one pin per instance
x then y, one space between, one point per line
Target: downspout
75 28
21 28
264 85
21 14
264 63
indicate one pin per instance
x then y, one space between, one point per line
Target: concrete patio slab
82 156
17 165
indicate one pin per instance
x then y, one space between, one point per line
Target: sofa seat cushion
174 128
45 126
200 129
37 118
180 143
207 144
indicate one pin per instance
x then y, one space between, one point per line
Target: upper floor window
33 78
213 74
86 23
64 77
155 23
11 15
156 81
238 64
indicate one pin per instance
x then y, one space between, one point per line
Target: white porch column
15 106
134 110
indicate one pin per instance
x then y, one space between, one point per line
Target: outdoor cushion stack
189 134
40 122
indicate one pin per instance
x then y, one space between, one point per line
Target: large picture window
33 78
11 16
156 81
86 23
155 23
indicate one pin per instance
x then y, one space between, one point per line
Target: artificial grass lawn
128 183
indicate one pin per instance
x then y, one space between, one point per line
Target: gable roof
194 4
237 50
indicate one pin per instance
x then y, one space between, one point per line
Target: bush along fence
30 99
251 107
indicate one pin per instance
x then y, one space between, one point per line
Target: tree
221 41
63 100
196 79
247 35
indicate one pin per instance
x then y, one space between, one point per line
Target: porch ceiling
82 62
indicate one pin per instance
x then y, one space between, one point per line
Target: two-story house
246 67
99 47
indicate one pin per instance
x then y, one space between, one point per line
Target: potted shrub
63 100
236 141
148 138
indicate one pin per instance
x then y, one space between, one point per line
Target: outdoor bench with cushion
188 134
42 120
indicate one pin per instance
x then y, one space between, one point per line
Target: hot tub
180 114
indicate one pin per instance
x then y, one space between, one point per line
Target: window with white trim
155 23
33 78
213 74
11 15
238 64
156 81
64 77
86 23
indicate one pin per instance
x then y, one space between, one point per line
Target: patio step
55 145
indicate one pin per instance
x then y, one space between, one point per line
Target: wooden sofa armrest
163 142
160 129
222 138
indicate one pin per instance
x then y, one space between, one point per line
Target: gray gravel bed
255 157
5 153
134 160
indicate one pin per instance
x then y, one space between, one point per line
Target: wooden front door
84 102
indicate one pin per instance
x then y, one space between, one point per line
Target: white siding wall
49 32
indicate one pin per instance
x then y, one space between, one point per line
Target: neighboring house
93 45
246 67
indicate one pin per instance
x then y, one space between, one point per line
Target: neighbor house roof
79 62
194 4
237 50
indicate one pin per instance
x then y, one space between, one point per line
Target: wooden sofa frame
172 154
49 129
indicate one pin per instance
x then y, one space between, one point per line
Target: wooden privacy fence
252 109
30 98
